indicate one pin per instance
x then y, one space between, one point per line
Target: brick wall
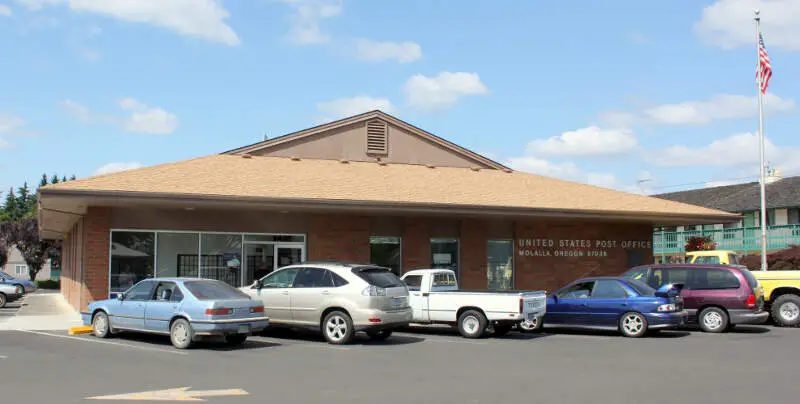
474 254
96 222
338 238
416 244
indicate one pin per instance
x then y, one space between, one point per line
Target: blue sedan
22 286
183 308
623 304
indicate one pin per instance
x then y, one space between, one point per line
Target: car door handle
325 292
285 292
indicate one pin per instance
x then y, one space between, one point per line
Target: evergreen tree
43 182
64 179
54 179
73 177
11 210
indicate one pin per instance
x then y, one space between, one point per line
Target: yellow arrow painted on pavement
177 394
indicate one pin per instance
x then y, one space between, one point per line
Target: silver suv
338 299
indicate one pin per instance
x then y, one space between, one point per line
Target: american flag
764 72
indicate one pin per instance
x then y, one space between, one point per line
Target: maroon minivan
717 297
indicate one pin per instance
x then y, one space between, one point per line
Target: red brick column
474 254
96 275
338 238
416 244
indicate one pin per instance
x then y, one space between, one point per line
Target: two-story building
743 236
369 188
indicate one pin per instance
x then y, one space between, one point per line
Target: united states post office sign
547 247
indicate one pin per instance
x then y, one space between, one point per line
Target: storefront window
221 257
385 251
132 256
177 254
444 253
500 271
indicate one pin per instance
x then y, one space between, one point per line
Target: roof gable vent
377 137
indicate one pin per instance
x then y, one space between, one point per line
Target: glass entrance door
262 259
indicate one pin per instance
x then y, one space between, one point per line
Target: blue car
183 308
617 303
22 286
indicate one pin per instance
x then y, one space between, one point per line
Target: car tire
529 326
235 340
786 311
181 334
713 320
472 324
381 335
337 328
633 324
3 300
501 330
101 328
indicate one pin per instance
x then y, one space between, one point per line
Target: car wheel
180 334
472 324
528 326
19 289
100 325
633 325
713 319
786 310
381 335
234 340
501 330
337 327
2 300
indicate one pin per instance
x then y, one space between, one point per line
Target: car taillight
667 307
521 305
751 301
373 291
259 309
218 312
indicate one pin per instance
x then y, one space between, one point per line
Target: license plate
396 302
244 329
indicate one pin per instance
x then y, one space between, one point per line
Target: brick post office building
369 188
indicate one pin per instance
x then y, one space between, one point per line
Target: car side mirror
120 296
555 298
256 284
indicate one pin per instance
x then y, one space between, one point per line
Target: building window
770 217
749 219
177 254
793 216
444 253
132 256
221 257
20 270
500 271
386 252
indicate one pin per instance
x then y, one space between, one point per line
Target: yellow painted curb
80 330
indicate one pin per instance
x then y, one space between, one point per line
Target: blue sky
607 93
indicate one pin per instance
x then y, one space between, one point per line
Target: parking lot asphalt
10 310
749 364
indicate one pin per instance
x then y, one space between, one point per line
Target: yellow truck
781 288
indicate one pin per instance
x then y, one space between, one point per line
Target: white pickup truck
435 299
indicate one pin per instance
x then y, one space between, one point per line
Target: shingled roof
745 197
332 182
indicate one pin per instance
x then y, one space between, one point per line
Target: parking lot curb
80 330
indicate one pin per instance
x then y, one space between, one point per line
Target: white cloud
719 107
203 19
437 93
733 151
586 142
5 11
605 180
142 118
729 23
305 20
379 51
722 183
345 107
117 167
570 172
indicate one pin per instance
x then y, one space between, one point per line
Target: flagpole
763 215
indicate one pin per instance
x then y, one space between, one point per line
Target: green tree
73 177
64 179
54 179
43 181
11 209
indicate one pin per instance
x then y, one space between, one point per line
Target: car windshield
214 290
380 277
6 276
640 287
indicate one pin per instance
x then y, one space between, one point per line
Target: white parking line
96 341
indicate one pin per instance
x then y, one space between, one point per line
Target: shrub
783 260
700 243
48 284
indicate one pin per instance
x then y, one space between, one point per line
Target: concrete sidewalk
43 311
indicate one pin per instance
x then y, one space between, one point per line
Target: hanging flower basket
700 243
